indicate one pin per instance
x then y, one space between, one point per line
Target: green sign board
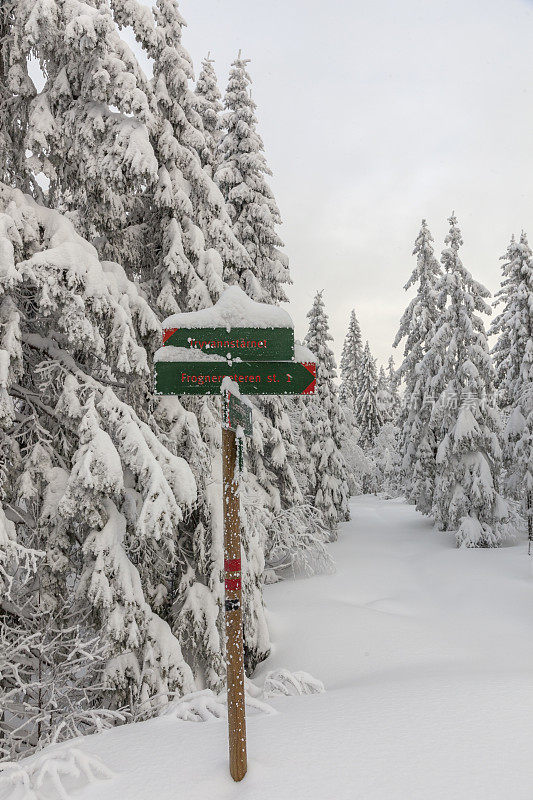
248 344
254 378
236 413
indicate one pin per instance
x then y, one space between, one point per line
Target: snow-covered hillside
426 652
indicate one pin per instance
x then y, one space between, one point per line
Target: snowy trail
427 656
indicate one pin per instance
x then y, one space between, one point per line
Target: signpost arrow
253 378
249 344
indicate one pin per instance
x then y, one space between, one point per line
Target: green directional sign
248 344
254 378
236 413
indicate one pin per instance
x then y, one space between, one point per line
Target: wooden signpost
269 366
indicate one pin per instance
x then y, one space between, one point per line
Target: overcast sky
375 115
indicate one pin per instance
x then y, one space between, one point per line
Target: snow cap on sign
234 309
302 354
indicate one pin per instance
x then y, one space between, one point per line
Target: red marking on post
167 333
233 584
312 386
232 565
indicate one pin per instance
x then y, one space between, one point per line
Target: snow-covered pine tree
385 462
85 477
210 109
513 355
323 427
466 498
512 325
352 353
193 238
251 205
420 365
211 233
384 396
16 91
393 379
175 238
367 411
88 130
241 175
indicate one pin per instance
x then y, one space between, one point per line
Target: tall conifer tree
85 477
241 175
210 109
323 429
418 444
352 352
466 498
514 368
367 410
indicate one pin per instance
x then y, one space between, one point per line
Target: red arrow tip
167 333
312 386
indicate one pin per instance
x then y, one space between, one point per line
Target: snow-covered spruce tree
513 355
86 477
352 353
418 371
241 175
210 109
513 324
367 411
202 232
386 461
88 129
175 238
16 91
384 396
393 380
323 427
466 498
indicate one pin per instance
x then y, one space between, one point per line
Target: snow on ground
426 652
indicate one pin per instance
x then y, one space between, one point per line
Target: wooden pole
234 642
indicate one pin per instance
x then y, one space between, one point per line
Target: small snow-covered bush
297 542
281 681
206 706
53 776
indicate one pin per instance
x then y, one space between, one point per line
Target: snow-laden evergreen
16 91
273 453
513 355
352 352
241 175
367 410
86 476
178 240
88 130
384 396
209 100
385 460
466 498
418 444
324 428
513 324
393 382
